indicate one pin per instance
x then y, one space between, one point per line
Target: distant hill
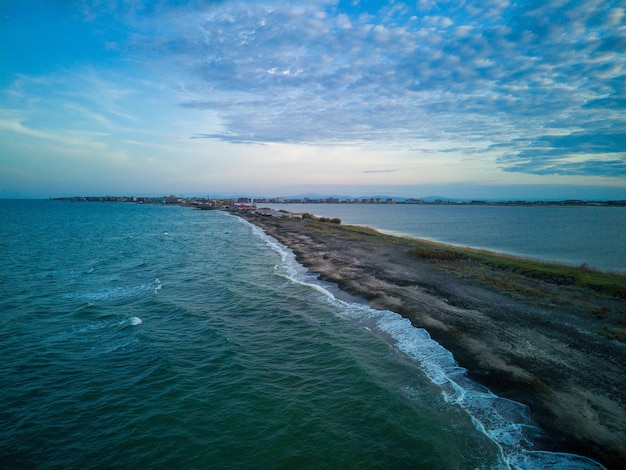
437 198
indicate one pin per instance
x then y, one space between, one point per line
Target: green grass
611 284
427 253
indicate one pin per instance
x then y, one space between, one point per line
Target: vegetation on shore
511 275
583 277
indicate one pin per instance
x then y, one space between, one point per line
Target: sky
483 99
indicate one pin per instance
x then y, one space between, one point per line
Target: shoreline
505 229
541 342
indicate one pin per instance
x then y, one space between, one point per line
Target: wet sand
536 342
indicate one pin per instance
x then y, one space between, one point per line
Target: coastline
541 342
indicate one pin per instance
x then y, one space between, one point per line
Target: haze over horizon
485 100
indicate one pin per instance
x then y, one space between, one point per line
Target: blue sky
484 99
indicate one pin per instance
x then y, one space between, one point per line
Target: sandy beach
546 342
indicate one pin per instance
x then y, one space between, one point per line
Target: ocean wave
116 293
110 323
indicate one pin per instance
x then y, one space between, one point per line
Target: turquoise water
592 235
155 337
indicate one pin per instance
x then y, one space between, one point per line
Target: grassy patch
435 254
516 287
580 277
611 284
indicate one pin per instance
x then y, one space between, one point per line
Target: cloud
494 72
85 140
534 87
235 139
572 154
310 73
550 166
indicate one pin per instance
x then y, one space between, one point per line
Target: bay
151 336
576 235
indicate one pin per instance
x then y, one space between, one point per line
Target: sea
590 235
151 336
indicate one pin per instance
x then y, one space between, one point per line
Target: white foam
119 292
504 422
540 460
110 323
100 325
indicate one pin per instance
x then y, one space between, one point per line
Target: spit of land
547 335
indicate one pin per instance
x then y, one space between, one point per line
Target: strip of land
550 336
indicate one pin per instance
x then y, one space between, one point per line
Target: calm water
575 235
156 337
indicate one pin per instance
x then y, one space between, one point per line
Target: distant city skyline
485 100
319 198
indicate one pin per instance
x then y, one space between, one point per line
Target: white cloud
297 76
84 140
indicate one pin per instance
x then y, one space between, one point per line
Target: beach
543 339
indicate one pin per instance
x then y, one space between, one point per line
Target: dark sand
537 343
